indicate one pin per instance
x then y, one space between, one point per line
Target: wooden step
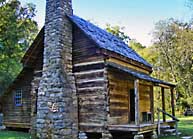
164 127
169 130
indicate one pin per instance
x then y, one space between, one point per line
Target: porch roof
139 75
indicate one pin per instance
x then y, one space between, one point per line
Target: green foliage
174 45
136 45
118 31
17 30
148 53
172 58
189 4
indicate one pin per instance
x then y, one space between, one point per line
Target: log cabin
79 81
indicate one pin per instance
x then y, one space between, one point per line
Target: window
18 97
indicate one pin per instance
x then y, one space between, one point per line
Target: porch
131 102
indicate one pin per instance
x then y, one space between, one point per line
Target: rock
40 121
187 137
138 137
2 127
82 135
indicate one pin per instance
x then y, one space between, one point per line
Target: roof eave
156 82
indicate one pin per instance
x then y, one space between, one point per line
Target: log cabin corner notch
114 89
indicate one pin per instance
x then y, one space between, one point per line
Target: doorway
132 105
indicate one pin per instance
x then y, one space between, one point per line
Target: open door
132 105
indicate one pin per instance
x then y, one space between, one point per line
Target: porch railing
171 116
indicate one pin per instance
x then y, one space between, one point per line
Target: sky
137 16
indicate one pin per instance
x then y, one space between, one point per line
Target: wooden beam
146 83
88 63
90 80
136 87
125 59
90 88
172 101
163 103
128 65
89 72
17 125
152 104
164 86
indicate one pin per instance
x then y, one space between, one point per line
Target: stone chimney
57 102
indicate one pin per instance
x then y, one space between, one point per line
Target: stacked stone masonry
57 102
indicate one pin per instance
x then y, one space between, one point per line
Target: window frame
18 95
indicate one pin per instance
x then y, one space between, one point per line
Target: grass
172 137
185 127
14 135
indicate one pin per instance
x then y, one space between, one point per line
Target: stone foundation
82 135
106 135
138 137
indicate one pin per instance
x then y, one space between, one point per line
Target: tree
148 53
174 44
136 45
17 30
118 31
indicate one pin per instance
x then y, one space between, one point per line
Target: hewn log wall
89 70
18 116
119 86
144 100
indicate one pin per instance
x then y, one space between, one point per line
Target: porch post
163 103
152 104
172 101
136 87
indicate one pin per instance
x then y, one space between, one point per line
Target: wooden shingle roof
107 41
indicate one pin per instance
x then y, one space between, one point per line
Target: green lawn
185 126
13 135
